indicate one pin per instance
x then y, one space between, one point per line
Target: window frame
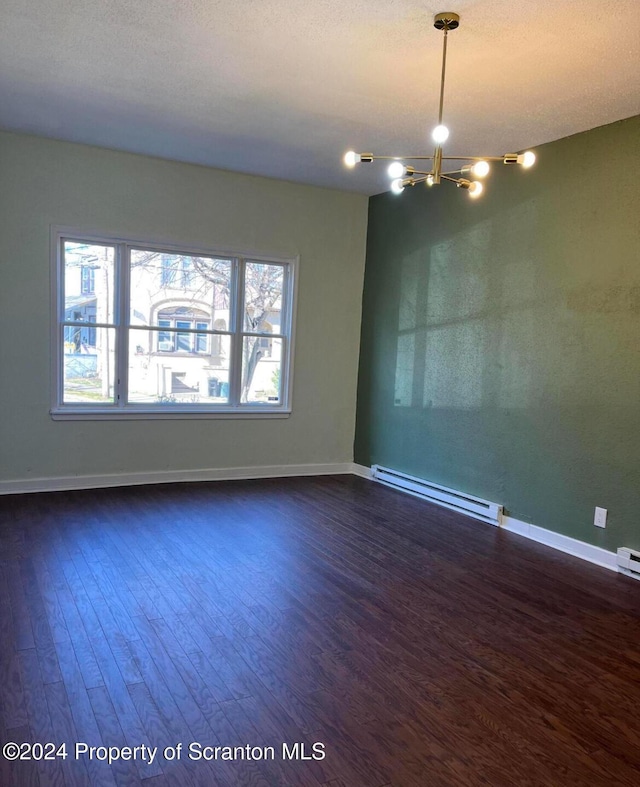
121 409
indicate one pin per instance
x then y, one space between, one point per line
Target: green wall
44 182
500 347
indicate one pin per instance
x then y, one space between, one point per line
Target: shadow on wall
464 324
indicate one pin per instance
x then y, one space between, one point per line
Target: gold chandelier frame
403 174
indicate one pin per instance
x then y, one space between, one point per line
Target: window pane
170 287
263 284
184 340
202 340
261 371
88 282
165 338
160 375
88 364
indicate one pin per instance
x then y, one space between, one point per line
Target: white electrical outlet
600 517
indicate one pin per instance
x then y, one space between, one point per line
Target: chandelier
472 167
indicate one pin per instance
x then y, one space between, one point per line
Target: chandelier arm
444 158
403 158
472 158
423 179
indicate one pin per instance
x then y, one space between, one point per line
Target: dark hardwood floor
419 647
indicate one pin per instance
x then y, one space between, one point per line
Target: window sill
177 413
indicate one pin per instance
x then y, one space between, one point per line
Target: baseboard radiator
629 562
441 495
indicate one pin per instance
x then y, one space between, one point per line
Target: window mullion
122 321
86 324
58 349
235 373
264 335
283 393
286 319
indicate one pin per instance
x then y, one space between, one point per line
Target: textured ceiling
283 87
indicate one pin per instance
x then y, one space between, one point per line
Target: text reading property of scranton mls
193 751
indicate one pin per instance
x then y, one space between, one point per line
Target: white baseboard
572 546
362 470
170 476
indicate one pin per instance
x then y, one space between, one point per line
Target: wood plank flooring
419 647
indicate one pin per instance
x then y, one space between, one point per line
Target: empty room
319 394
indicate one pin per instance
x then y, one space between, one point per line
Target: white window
174 332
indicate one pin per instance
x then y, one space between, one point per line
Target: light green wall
45 182
500 349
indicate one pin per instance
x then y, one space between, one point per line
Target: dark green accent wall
500 350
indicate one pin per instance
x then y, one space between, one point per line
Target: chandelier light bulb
440 134
397 186
351 159
527 159
475 189
429 180
397 169
480 169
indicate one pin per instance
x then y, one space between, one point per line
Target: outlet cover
600 517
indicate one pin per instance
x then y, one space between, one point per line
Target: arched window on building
181 324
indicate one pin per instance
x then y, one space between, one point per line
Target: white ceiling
284 87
